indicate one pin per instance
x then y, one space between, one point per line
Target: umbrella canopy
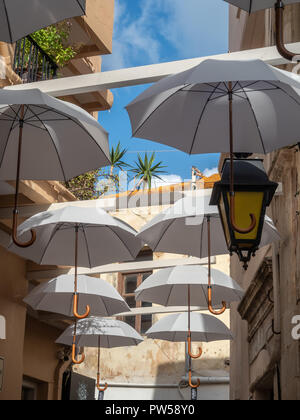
59 140
255 5
181 110
182 229
112 334
102 239
19 18
57 296
169 287
204 328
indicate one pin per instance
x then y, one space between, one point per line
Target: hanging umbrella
99 332
47 139
182 229
221 106
78 236
178 327
193 227
187 285
57 296
256 5
168 287
19 18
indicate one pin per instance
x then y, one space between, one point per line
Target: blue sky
154 31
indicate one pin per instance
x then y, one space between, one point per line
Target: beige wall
13 287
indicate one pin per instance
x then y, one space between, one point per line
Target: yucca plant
145 171
116 157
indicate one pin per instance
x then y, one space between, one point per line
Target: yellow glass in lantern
247 203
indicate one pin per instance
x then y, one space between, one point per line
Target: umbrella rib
160 105
53 143
255 119
75 121
165 231
87 246
171 289
56 229
201 116
8 21
81 7
7 140
283 90
123 242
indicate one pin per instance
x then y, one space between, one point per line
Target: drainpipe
276 355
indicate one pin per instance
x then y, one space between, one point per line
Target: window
128 283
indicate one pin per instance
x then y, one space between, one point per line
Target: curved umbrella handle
74 360
98 384
210 308
233 221
283 51
190 381
75 308
196 356
14 233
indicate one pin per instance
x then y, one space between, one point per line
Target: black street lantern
246 203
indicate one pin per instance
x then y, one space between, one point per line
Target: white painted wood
145 74
131 267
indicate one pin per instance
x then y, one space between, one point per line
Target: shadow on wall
169 386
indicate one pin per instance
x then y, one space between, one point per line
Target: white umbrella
204 328
182 229
47 139
255 5
57 296
19 18
99 332
78 236
221 106
179 327
193 227
190 110
188 285
169 287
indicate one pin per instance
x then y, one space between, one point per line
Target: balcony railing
31 63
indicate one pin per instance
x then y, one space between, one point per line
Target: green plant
53 40
116 157
146 170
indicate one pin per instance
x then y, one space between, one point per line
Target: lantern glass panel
247 203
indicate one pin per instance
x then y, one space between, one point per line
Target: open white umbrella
182 229
186 286
19 18
99 332
46 139
203 328
193 227
256 5
78 236
169 287
221 106
57 296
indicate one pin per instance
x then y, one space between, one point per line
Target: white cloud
209 172
163 182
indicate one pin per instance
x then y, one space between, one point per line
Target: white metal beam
146 74
130 267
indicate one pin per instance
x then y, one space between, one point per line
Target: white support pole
144 74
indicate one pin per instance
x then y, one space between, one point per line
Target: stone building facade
265 355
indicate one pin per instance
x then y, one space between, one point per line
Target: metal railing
31 63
